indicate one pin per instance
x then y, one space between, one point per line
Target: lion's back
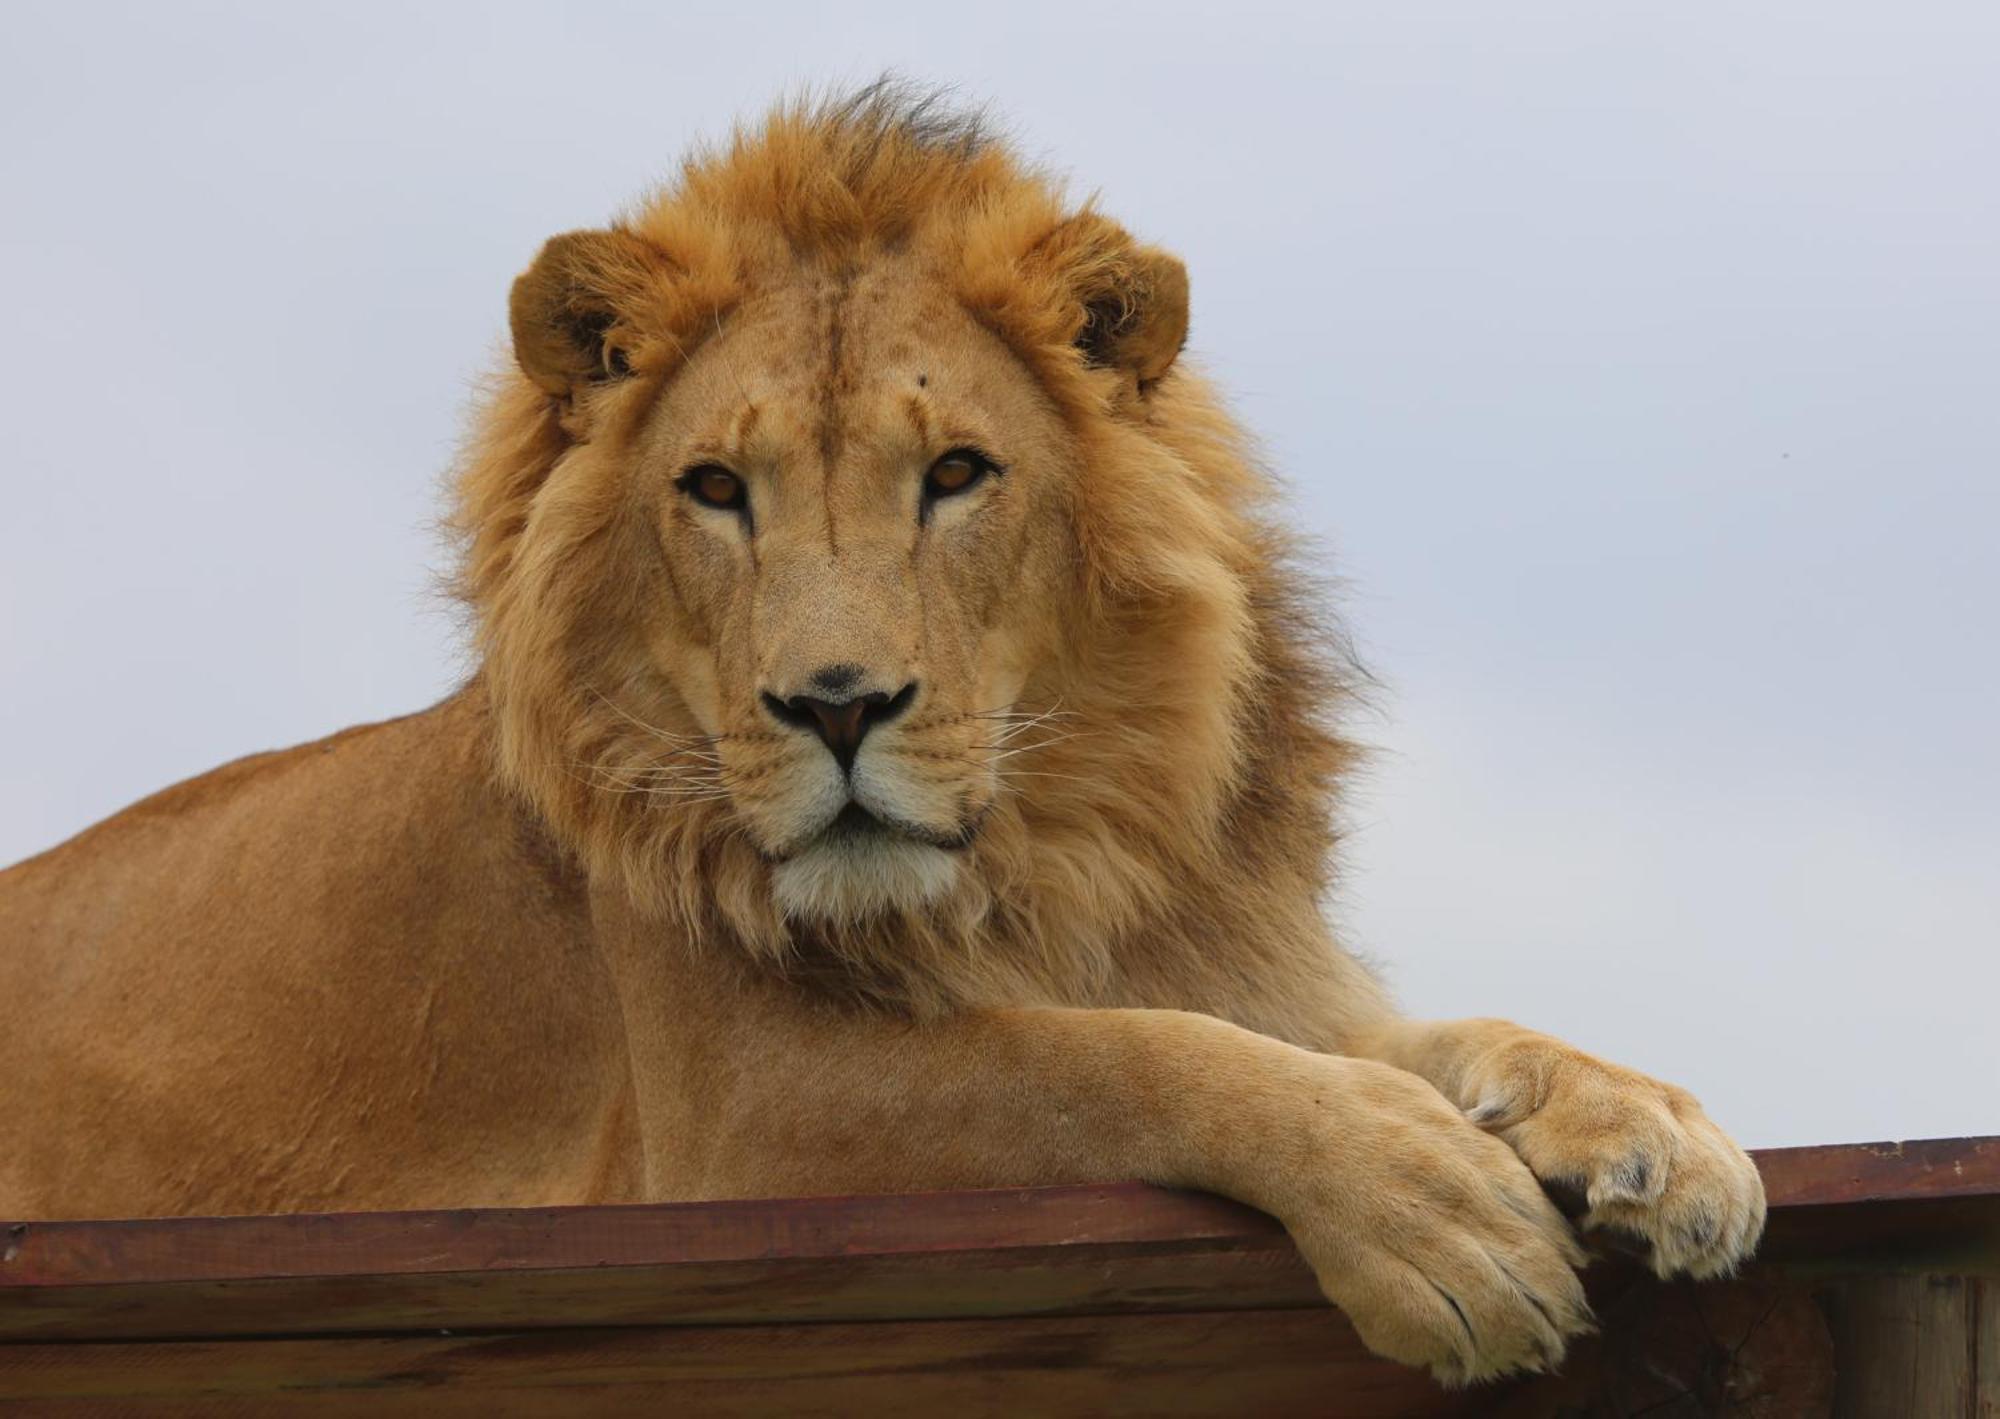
201 995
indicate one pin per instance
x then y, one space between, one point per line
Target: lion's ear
573 310
1138 318
1130 301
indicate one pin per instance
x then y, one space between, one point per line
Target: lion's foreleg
1468 1272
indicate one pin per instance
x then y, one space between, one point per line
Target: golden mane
1190 796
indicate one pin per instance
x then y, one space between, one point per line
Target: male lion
900 757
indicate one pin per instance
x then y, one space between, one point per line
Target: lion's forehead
828 376
819 337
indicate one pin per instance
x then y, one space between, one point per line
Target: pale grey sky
1639 367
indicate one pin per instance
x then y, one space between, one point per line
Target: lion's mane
1187 801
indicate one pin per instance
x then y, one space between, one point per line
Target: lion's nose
841 724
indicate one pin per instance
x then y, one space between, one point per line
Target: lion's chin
841 877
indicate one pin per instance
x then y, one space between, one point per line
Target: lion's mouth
857 826
854 821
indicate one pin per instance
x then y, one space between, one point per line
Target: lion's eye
956 472
714 486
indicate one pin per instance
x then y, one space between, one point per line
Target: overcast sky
1638 367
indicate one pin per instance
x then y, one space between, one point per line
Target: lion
903 754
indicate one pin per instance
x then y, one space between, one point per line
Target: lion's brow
917 407
730 444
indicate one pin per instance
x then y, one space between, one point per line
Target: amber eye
955 472
712 485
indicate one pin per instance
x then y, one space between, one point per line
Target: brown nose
841 724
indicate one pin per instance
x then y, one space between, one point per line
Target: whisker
1005 751
708 375
675 763
1020 716
723 360
690 796
1004 736
684 791
649 778
653 729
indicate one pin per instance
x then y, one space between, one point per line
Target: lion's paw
1433 1237
1645 1159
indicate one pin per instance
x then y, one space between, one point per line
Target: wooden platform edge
1878 1287
37 1254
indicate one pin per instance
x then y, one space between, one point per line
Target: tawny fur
575 935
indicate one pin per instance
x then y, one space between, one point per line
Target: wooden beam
1052 1300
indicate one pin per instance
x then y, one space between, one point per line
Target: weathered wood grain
515 1239
1874 1286
1881 1172
1758 1348
1917 1345
1295 1362
1062 1250
1016 1252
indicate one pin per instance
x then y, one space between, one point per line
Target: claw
1570 1195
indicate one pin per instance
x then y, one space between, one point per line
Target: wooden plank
1986 1351
497 1239
1946 1234
1016 1252
1074 1300
1927 1205
1295 1362
1752 1349
1881 1172
1019 1282
1064 1250
1911 1345
38 1254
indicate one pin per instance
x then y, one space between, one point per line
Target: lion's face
860 502
857 570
